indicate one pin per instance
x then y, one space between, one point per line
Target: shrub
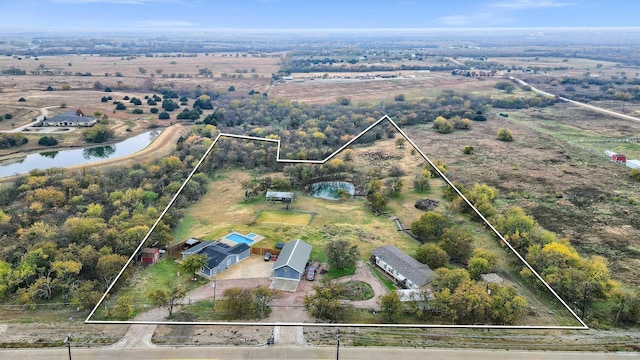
504 134
121 106
469 150
22 99
164 116
104 99
8 116
635 174
47 141
107 89
153 110
137 111
442 125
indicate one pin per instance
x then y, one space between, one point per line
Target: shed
280 196
220 255
406 270
150 256
290 266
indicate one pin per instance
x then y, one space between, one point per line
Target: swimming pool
237 238
251 235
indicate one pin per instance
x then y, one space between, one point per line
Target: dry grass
283 217
323 91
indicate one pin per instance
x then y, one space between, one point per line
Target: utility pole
338 345
68 342
214 293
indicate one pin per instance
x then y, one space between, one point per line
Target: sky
52 15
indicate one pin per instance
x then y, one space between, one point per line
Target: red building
619 158
150 256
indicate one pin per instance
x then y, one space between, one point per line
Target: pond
65 158
329 189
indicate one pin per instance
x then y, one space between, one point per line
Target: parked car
274 257
312 271
267 256
311 274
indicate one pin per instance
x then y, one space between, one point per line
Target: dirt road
591 107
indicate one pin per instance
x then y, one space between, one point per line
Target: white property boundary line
278 159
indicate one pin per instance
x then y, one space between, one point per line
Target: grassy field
283 217
154 278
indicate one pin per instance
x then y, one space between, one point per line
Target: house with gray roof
220 255
70 118
290 266
406 270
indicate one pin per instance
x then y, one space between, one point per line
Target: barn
290 266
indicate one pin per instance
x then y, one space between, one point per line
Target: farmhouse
290 266
406 270
220 255
70 118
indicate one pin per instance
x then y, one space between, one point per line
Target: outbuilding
150 256
290 266
405 270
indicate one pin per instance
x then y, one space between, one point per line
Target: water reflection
101 152
73 157
50 154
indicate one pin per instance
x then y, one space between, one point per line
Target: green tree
506 307
238 302
432 255
98 134
324 303
124 307
390 306
430 226
478 266
457 242
450 279
47 141
262 297
169 296
421 181
85 296
341 254
635 174
194 263
109 266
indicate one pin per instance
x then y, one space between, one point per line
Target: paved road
278 352
591 107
